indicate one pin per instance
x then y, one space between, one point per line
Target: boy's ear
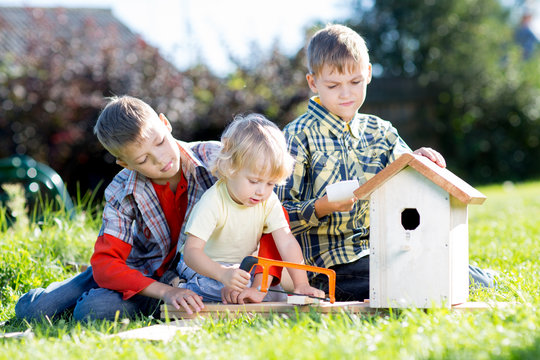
122 163
369 74
165 121
311 82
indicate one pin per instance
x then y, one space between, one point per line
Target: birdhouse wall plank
410 267
459 251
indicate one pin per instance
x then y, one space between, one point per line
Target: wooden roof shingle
442 177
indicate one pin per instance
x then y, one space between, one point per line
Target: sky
215 27
192 31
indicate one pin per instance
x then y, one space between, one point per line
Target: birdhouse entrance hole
410 219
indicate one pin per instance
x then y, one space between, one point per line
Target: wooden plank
442 177
365 190
301 300
448 181
421 253
481 305
353 307
265 308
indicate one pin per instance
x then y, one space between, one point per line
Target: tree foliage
486 113
482 109
52 90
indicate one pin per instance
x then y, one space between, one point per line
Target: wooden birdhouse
419 239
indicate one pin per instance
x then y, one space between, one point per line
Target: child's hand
432 155
185 298
306 289
324 207
248 295
236 279
229 296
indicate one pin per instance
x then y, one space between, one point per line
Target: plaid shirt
328 150
133 213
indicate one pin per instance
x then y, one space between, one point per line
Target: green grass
503 236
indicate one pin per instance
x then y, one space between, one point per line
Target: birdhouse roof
442 177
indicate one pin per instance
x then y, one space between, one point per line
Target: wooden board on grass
481 305
353 307
265 308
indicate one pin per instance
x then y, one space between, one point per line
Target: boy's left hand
432 155
306 289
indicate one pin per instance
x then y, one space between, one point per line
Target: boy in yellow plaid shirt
332 142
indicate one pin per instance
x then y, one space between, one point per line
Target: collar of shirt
164 188
332 122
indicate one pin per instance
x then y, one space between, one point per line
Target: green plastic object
39 180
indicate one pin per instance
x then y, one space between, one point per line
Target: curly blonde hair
255 143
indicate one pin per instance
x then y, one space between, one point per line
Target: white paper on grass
342 190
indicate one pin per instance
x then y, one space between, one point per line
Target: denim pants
210 289
82 295
352 280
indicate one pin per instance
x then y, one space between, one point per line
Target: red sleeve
269 250
110 269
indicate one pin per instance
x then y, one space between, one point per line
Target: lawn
503 235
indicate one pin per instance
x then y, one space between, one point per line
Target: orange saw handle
250 261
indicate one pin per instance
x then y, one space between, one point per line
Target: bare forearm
290 251
156 290
324 207
321 208
257 280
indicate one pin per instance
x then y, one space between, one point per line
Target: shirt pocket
326 169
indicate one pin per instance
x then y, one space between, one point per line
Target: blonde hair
255 143
337 46
121 122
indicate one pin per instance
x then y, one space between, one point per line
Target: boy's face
341 94
156 156
249 189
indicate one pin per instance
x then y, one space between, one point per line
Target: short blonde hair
122 122
255 143
337 46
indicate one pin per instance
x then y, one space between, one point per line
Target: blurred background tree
448 74
484 111
53 87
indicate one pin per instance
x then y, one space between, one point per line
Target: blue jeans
210 289
352 280
82 295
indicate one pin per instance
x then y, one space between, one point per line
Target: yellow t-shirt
232 231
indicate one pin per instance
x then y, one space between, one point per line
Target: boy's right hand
185 298
235 279
324 207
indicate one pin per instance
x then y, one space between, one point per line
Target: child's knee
28 306
97 304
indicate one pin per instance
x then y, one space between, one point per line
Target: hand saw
250 261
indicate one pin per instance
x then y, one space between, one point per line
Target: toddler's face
248 188
156 156
341 94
